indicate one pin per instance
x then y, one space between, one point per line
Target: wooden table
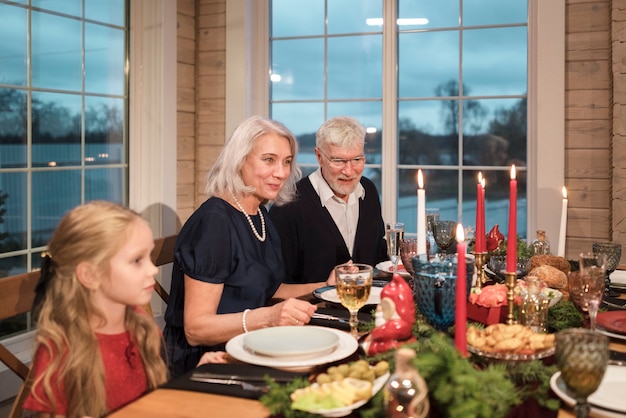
172 403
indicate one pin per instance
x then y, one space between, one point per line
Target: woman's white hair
224 178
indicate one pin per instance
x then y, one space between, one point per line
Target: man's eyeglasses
342 162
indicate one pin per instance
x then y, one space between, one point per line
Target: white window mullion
389 168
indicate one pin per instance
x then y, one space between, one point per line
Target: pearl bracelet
243 320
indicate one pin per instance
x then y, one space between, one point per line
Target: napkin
184 382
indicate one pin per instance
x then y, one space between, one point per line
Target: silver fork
244 385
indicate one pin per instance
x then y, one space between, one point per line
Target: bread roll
551 276
550 260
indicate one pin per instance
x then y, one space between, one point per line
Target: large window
443 88
63 119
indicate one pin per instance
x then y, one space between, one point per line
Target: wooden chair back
163 254
17 294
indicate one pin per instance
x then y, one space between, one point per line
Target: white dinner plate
608 401
346 346
329 294
610 334
387 267
291 342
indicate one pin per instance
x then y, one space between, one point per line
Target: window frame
247 88
152 139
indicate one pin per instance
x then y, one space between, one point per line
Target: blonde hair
93 233
225 179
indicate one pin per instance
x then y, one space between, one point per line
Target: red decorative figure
395 316
494 238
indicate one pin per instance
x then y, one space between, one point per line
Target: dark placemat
184 382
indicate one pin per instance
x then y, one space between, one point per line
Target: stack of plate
618 279
608 401
292 348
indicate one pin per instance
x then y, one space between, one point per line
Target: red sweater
125 378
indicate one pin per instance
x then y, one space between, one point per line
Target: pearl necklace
254 231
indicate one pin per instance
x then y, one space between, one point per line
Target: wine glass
444 233
394 233
613 251
432 215
592 275
354 284
582 356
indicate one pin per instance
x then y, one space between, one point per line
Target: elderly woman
228 261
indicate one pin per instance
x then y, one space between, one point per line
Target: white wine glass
354 285
592 278
394 234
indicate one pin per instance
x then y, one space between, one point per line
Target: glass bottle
406 394
540 245
534 305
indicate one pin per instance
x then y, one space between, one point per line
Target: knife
202 376
244 385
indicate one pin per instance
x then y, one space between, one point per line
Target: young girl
96 350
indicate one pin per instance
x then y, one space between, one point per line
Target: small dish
291 342
347 410
387 267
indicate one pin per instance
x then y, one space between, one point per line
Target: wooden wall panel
588 133
618 55
595 111
186 107
588 113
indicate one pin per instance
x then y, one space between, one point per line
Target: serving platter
346 346
537 355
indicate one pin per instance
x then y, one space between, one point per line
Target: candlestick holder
509 280
481 277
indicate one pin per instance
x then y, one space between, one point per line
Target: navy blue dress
216 245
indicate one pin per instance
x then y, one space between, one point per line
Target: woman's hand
291 312
213 357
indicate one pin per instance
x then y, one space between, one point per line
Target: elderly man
336 216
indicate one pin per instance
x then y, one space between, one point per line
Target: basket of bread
509 342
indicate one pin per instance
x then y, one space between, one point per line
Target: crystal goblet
582 356
592 277
408 250
613 252
497 265
444 233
